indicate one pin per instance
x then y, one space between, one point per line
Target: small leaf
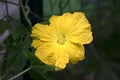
18 31
4 25
37 64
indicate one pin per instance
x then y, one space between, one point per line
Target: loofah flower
62 41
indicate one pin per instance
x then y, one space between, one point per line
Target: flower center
61 39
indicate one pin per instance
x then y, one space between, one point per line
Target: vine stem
21 73
25 13
34 14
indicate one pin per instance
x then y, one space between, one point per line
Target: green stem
21 73
35 15
25 13
51 5
61 7
26 2
65 5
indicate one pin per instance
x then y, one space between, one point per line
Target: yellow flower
62 40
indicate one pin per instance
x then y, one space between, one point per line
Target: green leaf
27 41
18 31
14 56
39 69
37 64
32 58
14 60
36 75
4 25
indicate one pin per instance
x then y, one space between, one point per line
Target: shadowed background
102 55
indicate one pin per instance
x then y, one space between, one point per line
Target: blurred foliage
102 56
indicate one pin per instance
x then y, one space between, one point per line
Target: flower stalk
21 73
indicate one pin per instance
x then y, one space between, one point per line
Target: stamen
61 39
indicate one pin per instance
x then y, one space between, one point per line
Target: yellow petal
82 38
62 23
75 26
36 43
46 53
43 32
62 58
81 31
75 51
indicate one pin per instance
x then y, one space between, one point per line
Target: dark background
102 60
